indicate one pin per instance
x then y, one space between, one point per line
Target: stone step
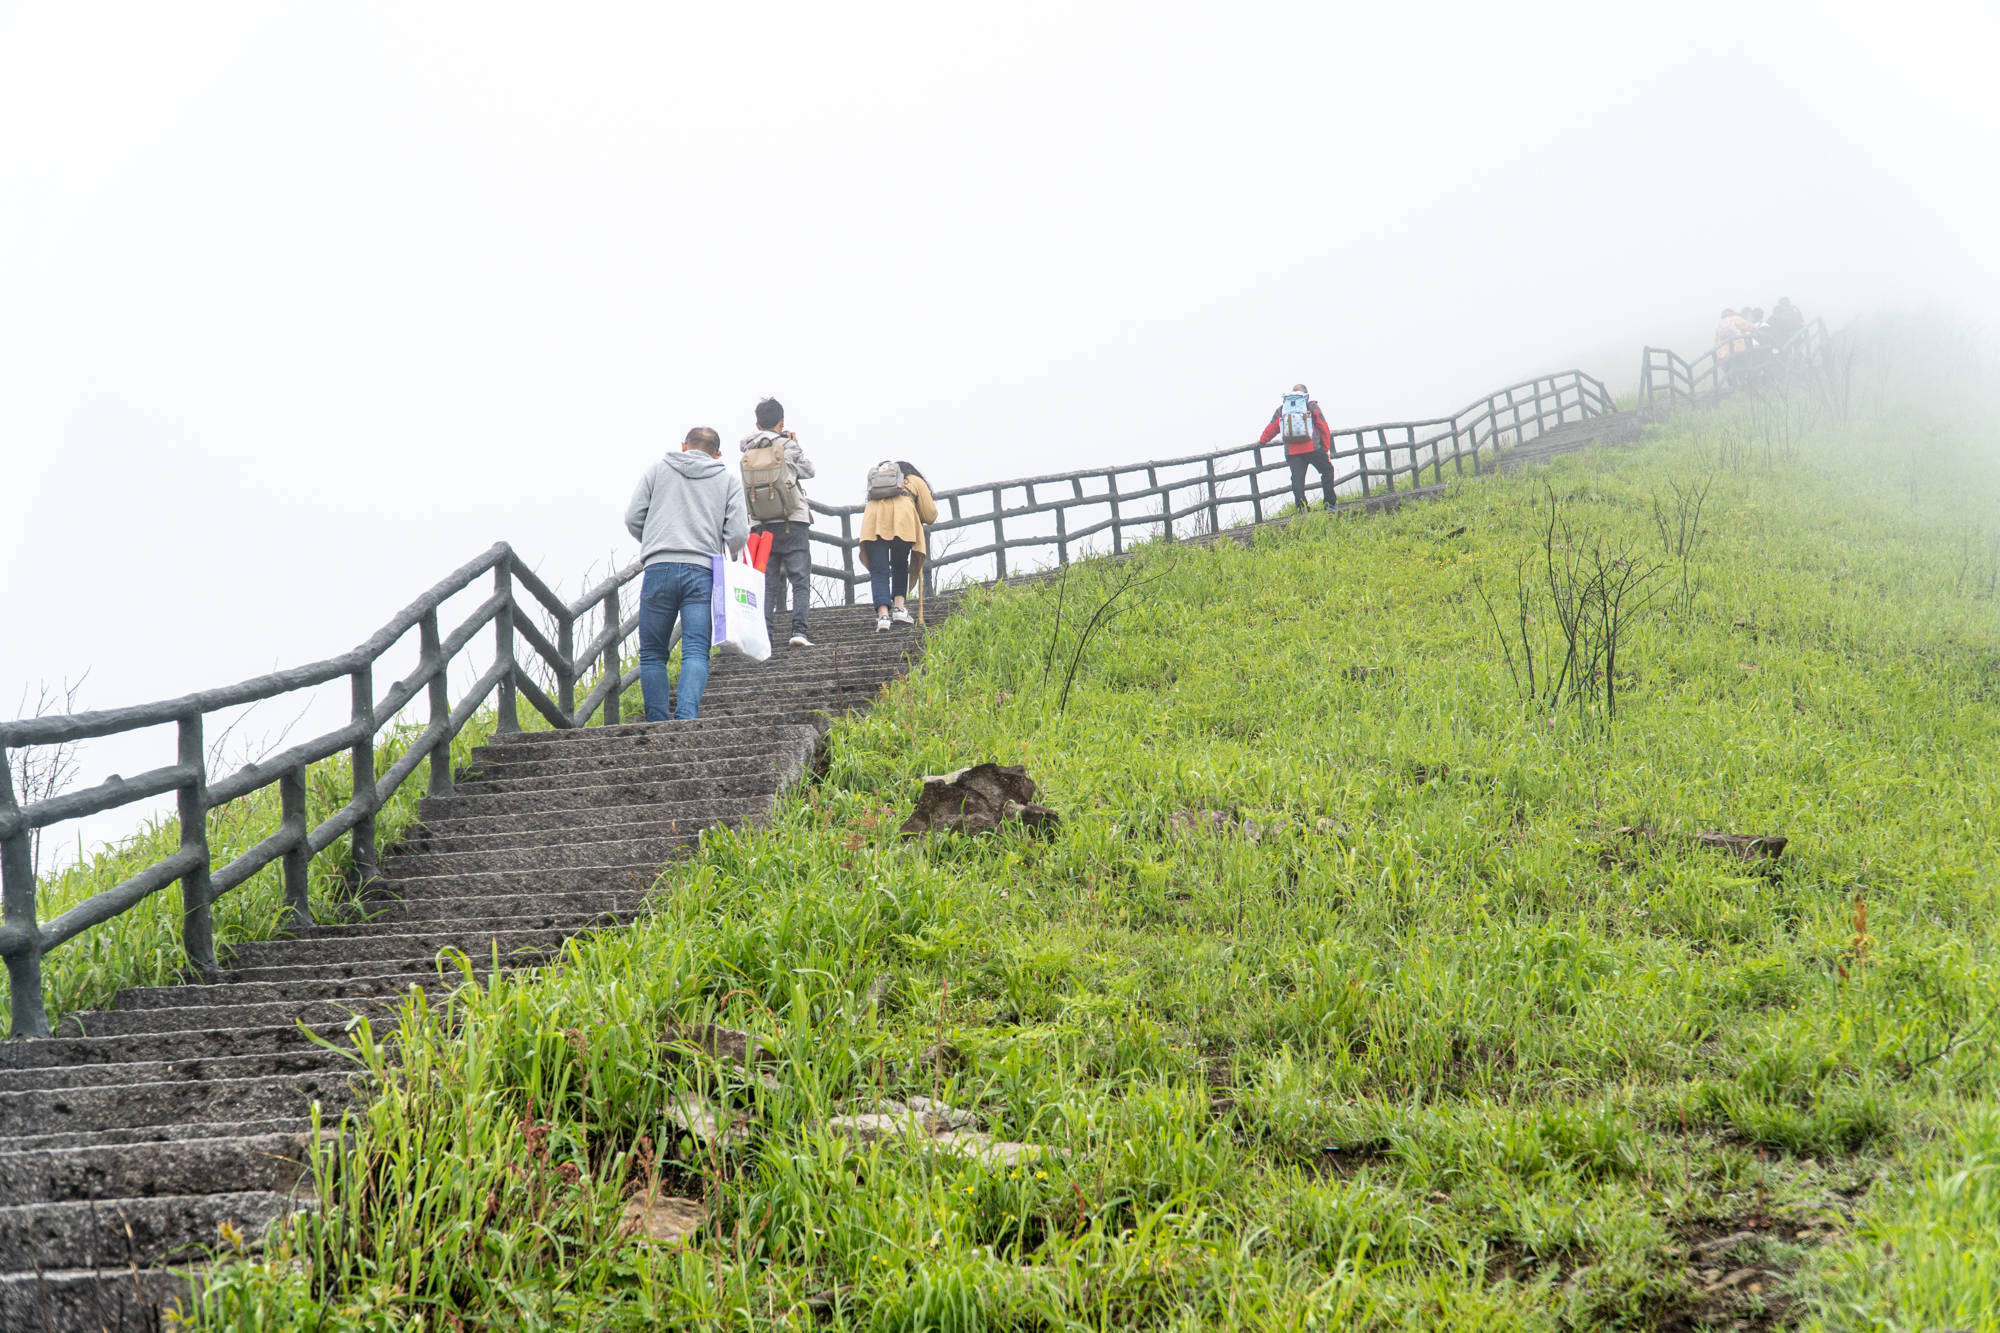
778 716
656 850
615 822
89 1300
649 766
15 1149
221 1043
390 911
399 944
122 1105
585 821
397 976
621 769
575 757
664 738
572 912
161 1071
143 1170
495 883
480 802
118 1233
194 1017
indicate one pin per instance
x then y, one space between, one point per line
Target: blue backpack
1295 423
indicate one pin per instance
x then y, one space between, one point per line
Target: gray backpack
885 480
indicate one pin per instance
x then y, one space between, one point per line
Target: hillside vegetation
1356 989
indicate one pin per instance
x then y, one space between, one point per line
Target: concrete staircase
129 1138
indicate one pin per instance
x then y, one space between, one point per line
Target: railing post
503 648
298 857
614 662
1214 510
17 895
847 556
1388 459
362 761
197 915
431 650
1000 536
1257 480
1062 535
566 669
1117 520
1166 503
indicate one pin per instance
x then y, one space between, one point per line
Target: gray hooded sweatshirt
687 509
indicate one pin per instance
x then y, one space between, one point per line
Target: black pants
888 564
790 566
1316 459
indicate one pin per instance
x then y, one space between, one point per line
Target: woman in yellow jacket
892 530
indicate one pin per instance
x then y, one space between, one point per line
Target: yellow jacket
904 516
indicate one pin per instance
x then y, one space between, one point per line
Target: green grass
1435 1047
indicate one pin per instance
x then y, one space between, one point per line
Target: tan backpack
770 490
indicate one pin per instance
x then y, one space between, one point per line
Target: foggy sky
302 306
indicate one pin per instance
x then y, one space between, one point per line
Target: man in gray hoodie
687 510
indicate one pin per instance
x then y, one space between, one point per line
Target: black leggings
1316 459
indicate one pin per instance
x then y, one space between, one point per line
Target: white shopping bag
738 607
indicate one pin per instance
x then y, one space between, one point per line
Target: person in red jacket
1312 450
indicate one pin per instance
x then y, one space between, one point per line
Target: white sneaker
881 622
902 617
801 641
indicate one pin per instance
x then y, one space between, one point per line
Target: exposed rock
1748 846
668 1220
979 799
940 1117
708 1125
753 1059
924 1125
989 1151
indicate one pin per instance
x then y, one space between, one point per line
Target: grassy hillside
1342 998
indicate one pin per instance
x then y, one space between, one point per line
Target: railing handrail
1808 342
986 488
110 721
1515 412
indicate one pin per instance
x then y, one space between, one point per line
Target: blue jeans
888 568
674 591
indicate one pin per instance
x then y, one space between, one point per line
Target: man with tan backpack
774 468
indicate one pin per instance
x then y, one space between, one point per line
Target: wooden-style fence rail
538 637
1666 378
1068 515
552 653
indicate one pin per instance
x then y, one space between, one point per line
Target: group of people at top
691 508
1745 340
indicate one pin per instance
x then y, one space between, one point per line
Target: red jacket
1322 433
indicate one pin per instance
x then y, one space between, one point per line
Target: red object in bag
759 550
